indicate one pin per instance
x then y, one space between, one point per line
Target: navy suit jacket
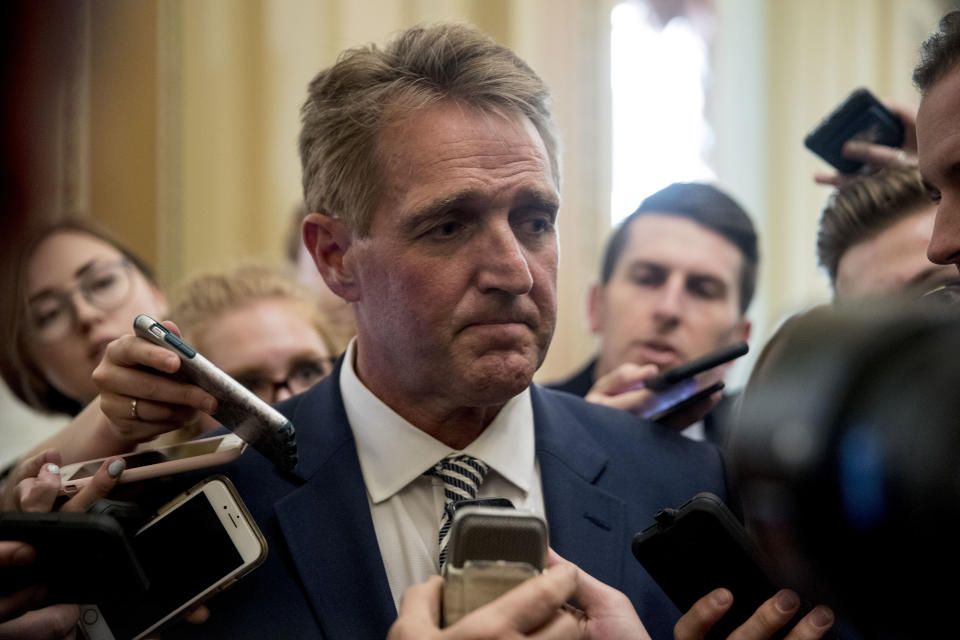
604 477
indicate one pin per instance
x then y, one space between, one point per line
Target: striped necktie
461 475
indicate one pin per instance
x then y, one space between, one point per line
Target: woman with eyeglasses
76 289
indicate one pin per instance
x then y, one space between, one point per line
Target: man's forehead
678 240
938 128
448 151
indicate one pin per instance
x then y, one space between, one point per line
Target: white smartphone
238 409
199 543
158 461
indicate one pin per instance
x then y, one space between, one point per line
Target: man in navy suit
432 172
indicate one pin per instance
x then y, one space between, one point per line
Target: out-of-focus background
174 122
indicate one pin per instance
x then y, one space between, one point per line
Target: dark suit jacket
603 480
716 424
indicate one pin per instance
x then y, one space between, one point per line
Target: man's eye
934 195
647 278
539 225
447 229
707 289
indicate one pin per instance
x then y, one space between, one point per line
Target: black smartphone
238 408
81 557
688 383
859 117
701 546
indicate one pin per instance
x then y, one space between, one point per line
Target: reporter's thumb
102 483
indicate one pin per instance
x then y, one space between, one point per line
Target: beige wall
175 121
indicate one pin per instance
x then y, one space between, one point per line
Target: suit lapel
587 524
328 528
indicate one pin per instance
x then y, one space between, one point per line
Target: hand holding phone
859 117
491 550
699 547
158 461
80 557
683 386
238 409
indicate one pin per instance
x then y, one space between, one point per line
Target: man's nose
670 301
944 247
503 263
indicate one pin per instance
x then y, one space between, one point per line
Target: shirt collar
394 453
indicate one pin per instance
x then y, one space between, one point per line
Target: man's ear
327 240
596 308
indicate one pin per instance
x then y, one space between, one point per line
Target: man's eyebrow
537 198
48 291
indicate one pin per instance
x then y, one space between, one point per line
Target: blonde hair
204 298
369 88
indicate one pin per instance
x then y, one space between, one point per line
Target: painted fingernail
787 601
52 468
115 468
821 616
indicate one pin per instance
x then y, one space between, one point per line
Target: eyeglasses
301 375
105 285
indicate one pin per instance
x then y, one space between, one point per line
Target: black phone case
81 557
859 117
699 547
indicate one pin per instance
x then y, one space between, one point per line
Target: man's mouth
659 352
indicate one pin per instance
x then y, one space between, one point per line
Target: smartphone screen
152 456
183 554
688 383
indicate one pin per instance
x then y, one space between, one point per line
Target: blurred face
268 346
81 295
938 142
894 261
673 295
456 283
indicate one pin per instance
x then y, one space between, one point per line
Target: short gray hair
369 88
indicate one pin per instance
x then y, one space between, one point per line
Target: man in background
874 234
676 280
938 135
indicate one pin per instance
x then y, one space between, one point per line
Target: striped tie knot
462 476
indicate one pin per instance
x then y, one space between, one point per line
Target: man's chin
496 379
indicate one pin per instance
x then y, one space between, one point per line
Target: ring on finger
133 409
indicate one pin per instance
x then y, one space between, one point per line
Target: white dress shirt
406 505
